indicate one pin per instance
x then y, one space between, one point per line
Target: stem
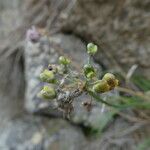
103 106
101 100
89 59
129 91
123 106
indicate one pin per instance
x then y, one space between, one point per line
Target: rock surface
11 99
36 133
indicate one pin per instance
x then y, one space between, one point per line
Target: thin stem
129 91
89 59
101 100
103 106
123 106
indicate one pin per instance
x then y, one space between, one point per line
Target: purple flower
33 34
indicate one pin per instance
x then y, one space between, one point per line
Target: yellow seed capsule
111 80
47 76
101 86
47 93
116 82
109 76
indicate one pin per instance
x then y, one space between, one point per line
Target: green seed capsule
91 48
47 76
90 75
89 71
101 86
63 60
47 93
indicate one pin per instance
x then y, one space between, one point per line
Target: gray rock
36 133
71 46
11 99
9 17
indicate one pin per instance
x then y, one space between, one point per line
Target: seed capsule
47 76
101 86
91 48
89 71
111 80
116 82
47 93
109 76
90 75
63 60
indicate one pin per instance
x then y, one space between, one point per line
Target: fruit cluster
55 75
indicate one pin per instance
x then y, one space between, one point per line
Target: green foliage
134 102
141 82
145 145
